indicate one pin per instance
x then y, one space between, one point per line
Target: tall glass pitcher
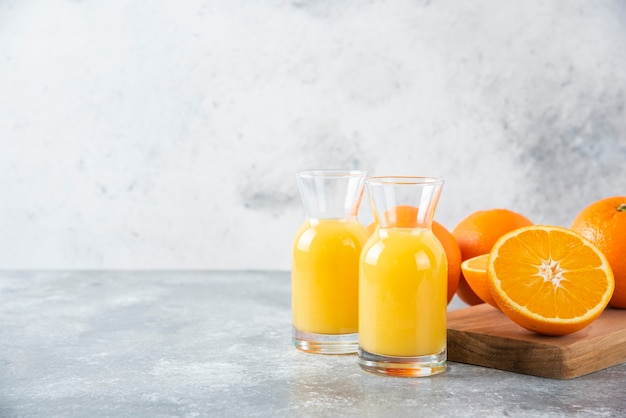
325 262
403 281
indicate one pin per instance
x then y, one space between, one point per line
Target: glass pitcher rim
331 172
411 180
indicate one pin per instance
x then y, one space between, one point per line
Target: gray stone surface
194 344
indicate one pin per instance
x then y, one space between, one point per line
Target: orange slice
549 279
475 272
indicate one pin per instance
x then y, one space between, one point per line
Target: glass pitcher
325 262
403 281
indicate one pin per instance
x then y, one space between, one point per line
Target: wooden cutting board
484 336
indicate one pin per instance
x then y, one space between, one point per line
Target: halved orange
475 272
549 279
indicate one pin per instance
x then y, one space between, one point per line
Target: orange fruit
465 292
477 233
403 216
453 254
604 223
475 273
549 279
406 216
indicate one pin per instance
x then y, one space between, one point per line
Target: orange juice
403 293
325 276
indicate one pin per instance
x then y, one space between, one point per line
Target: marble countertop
194 344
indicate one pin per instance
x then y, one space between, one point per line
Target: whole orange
604 223
477 233
451 247
453 254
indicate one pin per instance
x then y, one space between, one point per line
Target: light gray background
166 134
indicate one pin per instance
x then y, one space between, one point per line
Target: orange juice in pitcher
325 279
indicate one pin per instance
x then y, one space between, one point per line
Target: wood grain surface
484 336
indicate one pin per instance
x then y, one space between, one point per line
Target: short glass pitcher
325 262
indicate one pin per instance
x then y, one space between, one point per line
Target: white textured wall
166 134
